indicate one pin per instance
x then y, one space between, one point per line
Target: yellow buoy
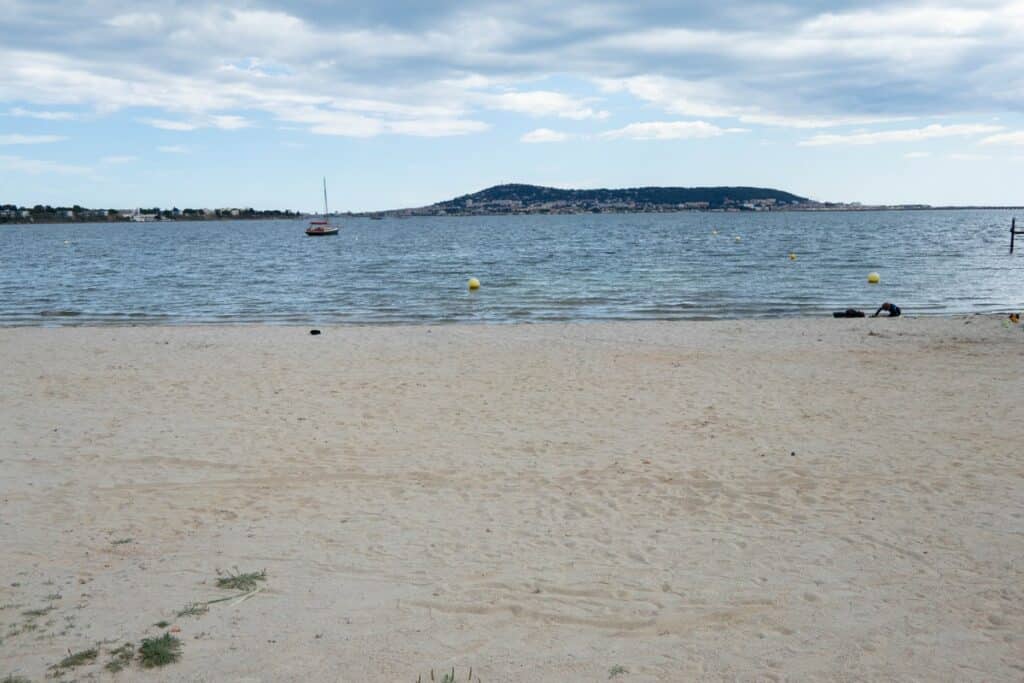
874 278
473 283
792 256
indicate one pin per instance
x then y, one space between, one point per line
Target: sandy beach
758 501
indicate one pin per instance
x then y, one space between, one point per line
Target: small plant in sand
192 609
120 658
159 651
27 627
617 670
162 624
12 678
243 581
31 613
121 541
77 659
450 677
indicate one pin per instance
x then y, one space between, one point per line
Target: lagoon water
532 268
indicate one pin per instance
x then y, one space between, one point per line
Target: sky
111 103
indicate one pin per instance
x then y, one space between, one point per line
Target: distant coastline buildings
509 199
10 213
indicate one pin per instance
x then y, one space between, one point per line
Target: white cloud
669 130
228 122
124 159
43 115
709 99
393 69
200 98
17 139
932 37
932 131
173 149
329 121
164 124
141 22
221 121
544 135
544 103
1012 138
39 167
969 157
916 155
435 128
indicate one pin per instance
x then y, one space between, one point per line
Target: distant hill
517 198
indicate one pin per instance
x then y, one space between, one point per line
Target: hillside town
513 199
473 207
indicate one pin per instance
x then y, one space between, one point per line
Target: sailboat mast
325 197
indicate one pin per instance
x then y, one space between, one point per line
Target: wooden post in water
1013 231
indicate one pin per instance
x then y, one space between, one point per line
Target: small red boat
322 228
318 228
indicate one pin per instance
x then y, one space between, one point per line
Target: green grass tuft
11 678
449 677
77 658
121 541
120 658
241 581
617 670
162 624
37 612
159 651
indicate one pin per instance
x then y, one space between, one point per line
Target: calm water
655 266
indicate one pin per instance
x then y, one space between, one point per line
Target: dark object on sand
848 313
892 309
314 332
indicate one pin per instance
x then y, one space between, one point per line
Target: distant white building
138 217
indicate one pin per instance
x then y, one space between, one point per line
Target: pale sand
541 503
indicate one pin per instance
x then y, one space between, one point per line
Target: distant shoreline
403 214
76 320
413 214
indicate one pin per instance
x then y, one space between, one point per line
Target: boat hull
313 232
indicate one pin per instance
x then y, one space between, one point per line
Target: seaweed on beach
192 609
243 581
77 658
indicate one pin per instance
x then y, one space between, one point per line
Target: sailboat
322 228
